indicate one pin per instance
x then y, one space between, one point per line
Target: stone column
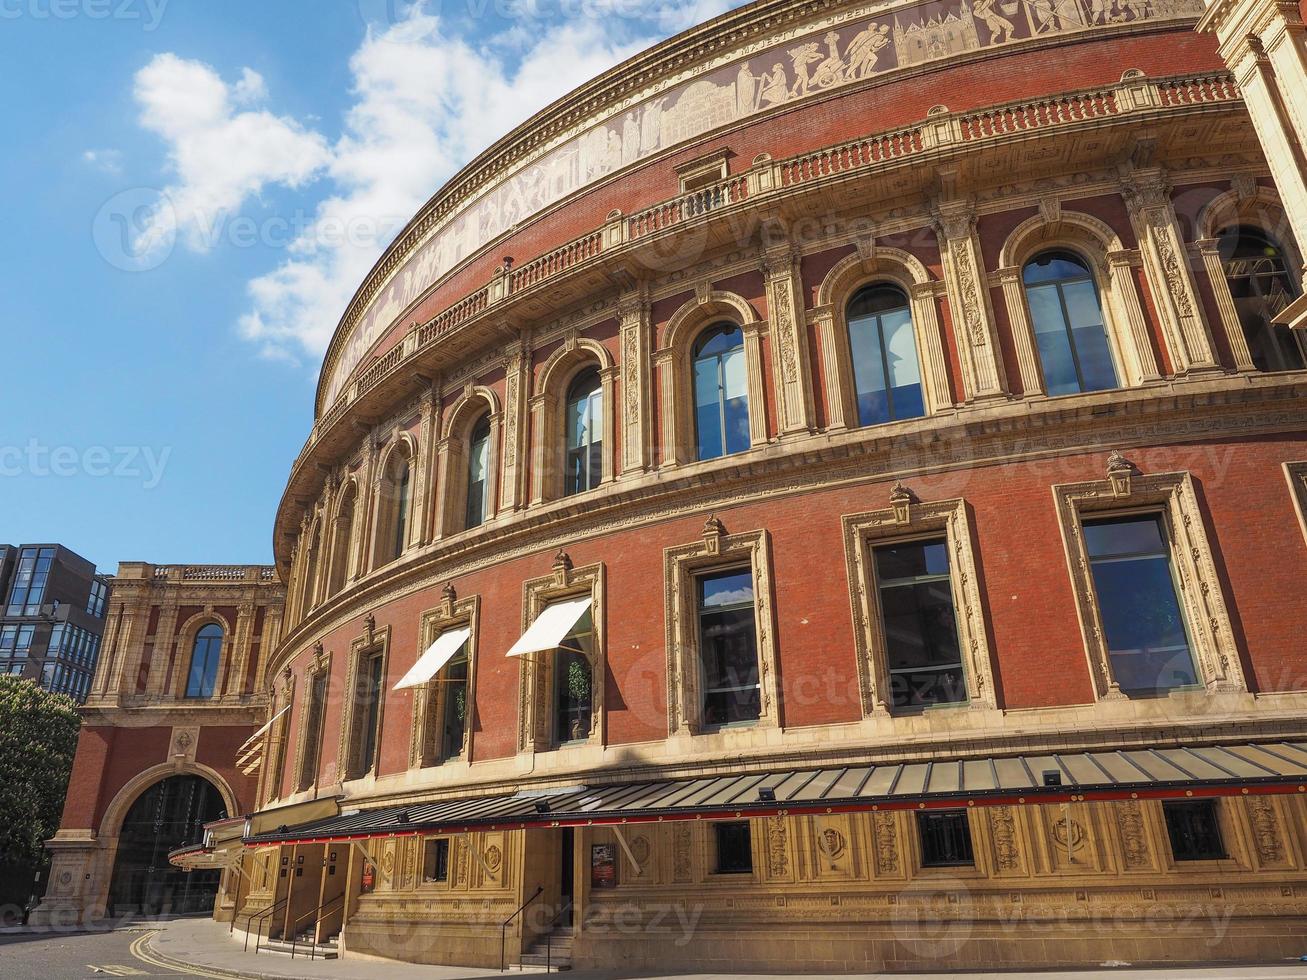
934 369
608 385
424 493
835 370
1023 338
791 365
1209 251
512 471
968 297
665 363
165 637
1124 298
1147 195
539 441
234 680
753 333
637 406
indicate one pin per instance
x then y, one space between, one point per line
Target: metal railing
503 930
294 928
261 916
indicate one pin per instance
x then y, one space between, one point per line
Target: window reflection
886 374
1138 603
1259 281
1067 317
728 648
478 466
584 421
205 653
721 392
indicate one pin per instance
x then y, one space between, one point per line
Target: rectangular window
734 848
945 839
435 860
574 683
921 630
313 730
367 713
1143 624
1194 829
95 603
30 575
453 713
728 648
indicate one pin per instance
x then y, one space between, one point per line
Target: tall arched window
342 541
585 423
310 586
721 392
886 373
1067 317
205 652
1258 276
401 489
478 470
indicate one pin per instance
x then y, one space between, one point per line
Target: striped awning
1220 770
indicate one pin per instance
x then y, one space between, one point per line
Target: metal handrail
294 931
503 930
549 937
249 920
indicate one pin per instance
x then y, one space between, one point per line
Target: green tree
38 736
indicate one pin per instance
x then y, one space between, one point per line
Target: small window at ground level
945 839
435 860
1194 829
734 848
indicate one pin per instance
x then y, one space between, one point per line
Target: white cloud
427 97
219 157
106 161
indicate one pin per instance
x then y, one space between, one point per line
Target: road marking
114 970
141 950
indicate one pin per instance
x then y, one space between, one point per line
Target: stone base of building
942 946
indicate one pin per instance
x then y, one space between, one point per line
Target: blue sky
192 190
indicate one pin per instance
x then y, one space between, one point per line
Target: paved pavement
203 948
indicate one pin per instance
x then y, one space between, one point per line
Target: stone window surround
386 500
186 634
452 613
868 266
1112 267
909 519
375 639
1172 495
536 671
1296 474
1257 207
277 745
548 414
674 369
717 550
475 402
321 663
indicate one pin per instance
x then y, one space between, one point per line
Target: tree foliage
38 737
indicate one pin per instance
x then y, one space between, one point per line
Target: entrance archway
171 812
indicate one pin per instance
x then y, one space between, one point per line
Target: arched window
401 490
886 374
205 652
310 584
1258 276
343 541
585 423
1068 322
478 469
721 392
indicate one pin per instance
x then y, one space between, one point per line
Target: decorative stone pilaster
835 370
233 685
1210 253
636 408
512 472
973 321
790 362
1148 197
165 636
665 365
425 489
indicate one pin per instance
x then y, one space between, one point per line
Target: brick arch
114 814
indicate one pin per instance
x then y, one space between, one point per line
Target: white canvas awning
551 626
266 725
438 654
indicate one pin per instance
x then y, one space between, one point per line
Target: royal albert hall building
828 493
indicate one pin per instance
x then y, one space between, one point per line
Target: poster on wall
369 878
603 866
